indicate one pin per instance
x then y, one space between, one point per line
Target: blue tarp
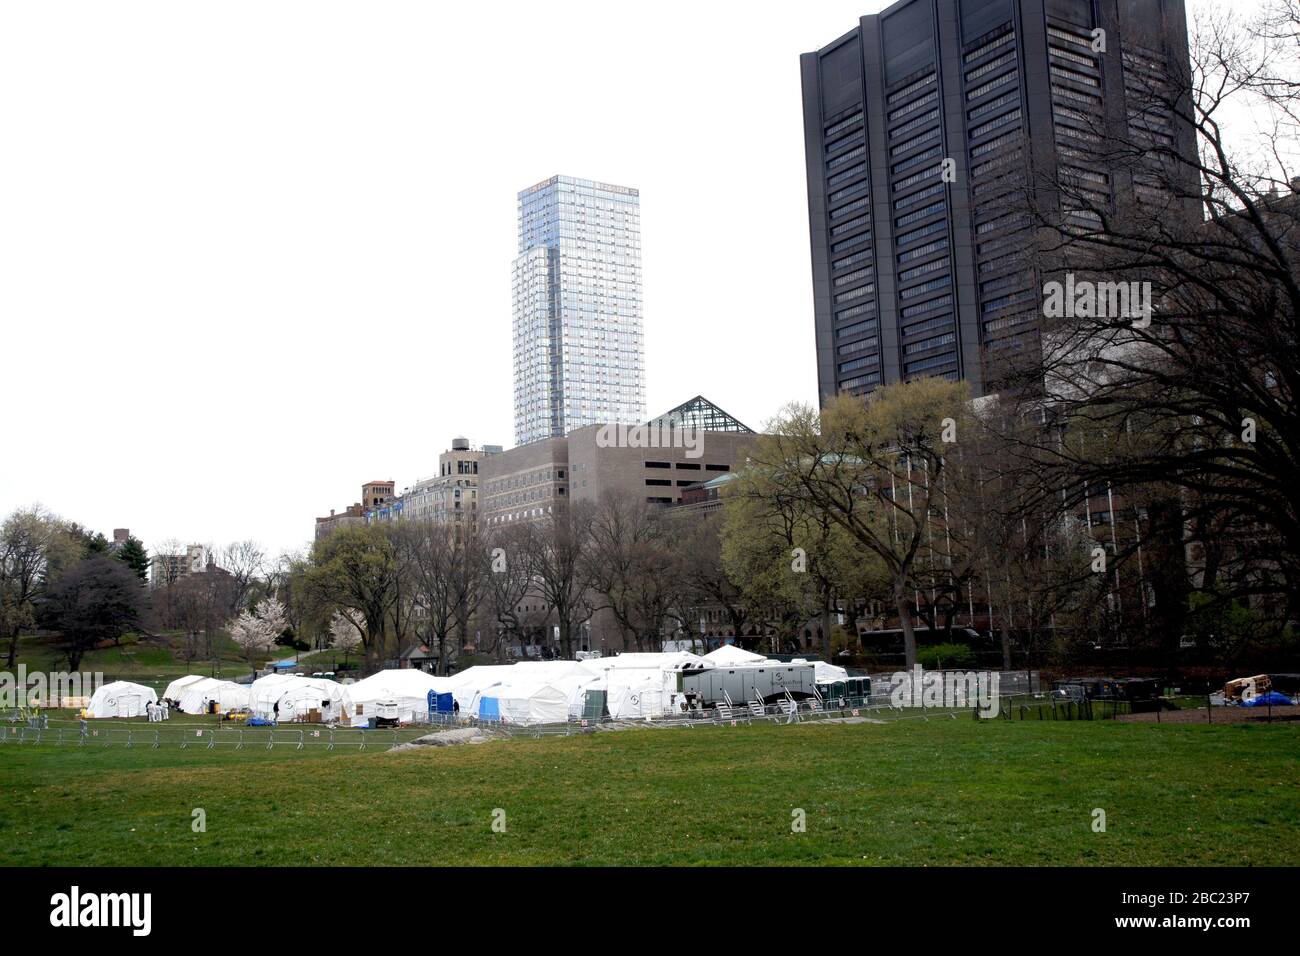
1272 697
489 708
441 703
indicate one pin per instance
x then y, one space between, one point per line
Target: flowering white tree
345 634
252 634
273 615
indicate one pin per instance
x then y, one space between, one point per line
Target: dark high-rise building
924 127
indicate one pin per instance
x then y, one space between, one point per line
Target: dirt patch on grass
1221 715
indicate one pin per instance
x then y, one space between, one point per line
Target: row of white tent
635 686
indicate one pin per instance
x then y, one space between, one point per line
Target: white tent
634 694
120 699
176 687
643 685
408 689
828 673
525 701
729 655
466 685
227 694
675 661
284 697
470 685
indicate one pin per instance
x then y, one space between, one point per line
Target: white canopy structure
828 673
729 655
644 685
176 687
227 695
408 689
635 685
289 697
635 693
120 699
466 685
525 701
674 661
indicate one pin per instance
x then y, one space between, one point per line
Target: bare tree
245 561
509 581
558 549
1184 411
632 567
445 566
708 586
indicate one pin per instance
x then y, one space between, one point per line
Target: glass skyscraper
579 352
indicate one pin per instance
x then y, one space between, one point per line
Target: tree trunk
826 624
442 655
905 622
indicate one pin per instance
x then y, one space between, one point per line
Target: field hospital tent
408 689
525 701
228 695
176 687
644 685
634 694
466 686
825 673
289 697
471 684
729 655
120 699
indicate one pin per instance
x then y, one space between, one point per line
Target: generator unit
768 681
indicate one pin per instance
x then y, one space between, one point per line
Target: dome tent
525 701
288 697
120 699
729 655
828 673
474 683
409 689
644 685
227 694
177 687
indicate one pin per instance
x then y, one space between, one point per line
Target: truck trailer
768 681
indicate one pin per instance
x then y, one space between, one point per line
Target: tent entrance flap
593 705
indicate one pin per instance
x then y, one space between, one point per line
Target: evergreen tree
136 557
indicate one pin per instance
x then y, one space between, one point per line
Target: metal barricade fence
878 707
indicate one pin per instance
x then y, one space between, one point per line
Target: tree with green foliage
135 556
876 469
356 570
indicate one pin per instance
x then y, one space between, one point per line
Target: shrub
945 655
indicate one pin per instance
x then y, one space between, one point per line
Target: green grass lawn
907 792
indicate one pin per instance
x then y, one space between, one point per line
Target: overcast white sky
253 254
